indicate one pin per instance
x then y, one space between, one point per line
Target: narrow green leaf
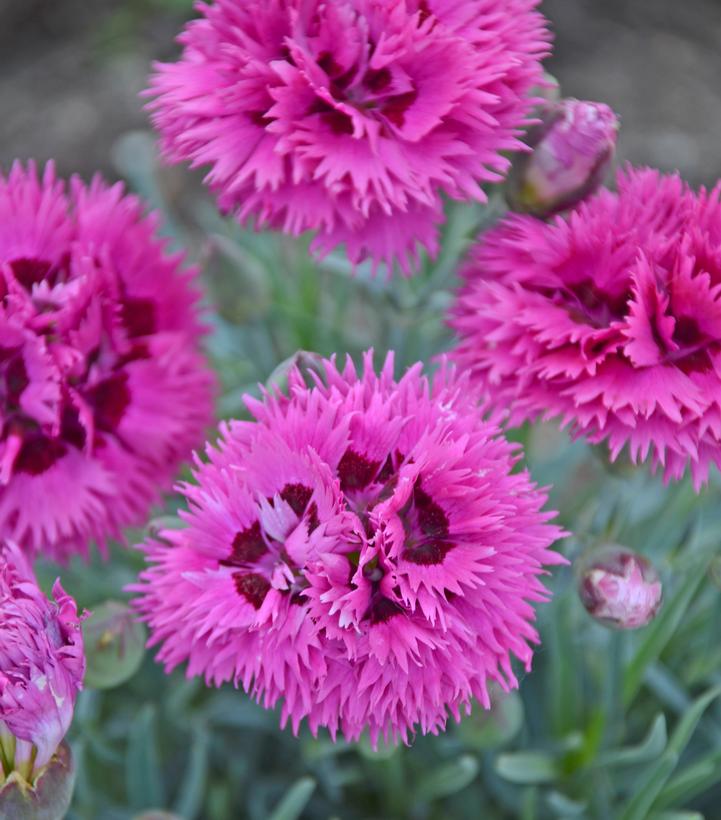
648 749
564 693
563 806
529 805
190 800
144 782
650 785
659 633
676 815
686 726
661 681
449 779
691 781
527 767
295 800
647 788
668 690
580 755
179 701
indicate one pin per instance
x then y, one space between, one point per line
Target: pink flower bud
41 668
620 588
572 148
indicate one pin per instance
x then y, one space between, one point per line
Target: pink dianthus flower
350 118
609 320
362 551
41 665
103 390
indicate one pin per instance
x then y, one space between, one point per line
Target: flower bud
50 795
619 588
572 148
494 727
114 645
41 671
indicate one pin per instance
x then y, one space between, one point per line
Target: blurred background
605 717
71 70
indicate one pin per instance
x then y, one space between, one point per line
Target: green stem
613 691
392 774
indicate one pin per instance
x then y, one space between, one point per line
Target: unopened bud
571 151
114 645
497 726
47 797
620 588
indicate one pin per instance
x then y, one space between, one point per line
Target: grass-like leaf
650 784
659 633
291 806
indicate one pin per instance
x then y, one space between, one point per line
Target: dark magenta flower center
364 481
427 530
255 552
369 91
590 304
105 392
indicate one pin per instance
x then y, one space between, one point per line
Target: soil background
71 72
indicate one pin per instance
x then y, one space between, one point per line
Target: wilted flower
361 551
572 149
609 320
41 668
103 390
619 588
351 118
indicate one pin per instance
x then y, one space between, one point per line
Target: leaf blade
295 800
